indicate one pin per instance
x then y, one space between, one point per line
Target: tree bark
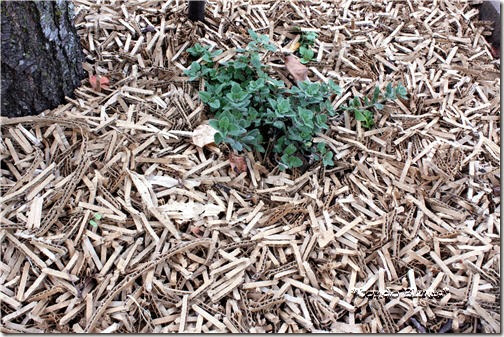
41 56
197 10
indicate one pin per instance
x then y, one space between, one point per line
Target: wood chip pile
113 220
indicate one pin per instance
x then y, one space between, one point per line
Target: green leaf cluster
252 109
363 110
307 40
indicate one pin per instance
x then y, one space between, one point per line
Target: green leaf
252 46
240 65
224 123
195 66
279 124
235 88
208 72
207 57
359 115
306 116
217 53
283 105
270 47
224 77
255 60
401 91
276 83
388 91
234 144
327 159
263 39
236 130
260 148
308 38
328 106
321 147
368 124
247 139
294 162
278 147
256 85
218 138
290 149
194 71
356 102
205 96
196 50
215 103
321 120
306 53
376 94
93 223
214 123
253 34
334 87
313 89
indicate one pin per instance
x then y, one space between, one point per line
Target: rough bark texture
41 56
490 11
197 10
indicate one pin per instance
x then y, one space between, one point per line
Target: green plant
362 111
306 54
307 40
97 217
249 105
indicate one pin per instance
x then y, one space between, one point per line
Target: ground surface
113 220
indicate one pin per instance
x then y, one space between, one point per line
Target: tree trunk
41 56
197 10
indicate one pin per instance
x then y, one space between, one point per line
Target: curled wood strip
287 266
68 190
266 304
132 276
241 244
46 293
35 120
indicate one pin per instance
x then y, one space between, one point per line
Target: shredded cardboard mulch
113 220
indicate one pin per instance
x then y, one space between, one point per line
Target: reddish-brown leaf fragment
237 163
296 68
102 82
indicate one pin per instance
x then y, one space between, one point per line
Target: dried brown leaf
203 135
296 68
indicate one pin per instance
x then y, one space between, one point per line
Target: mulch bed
113 220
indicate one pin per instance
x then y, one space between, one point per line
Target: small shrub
250 106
